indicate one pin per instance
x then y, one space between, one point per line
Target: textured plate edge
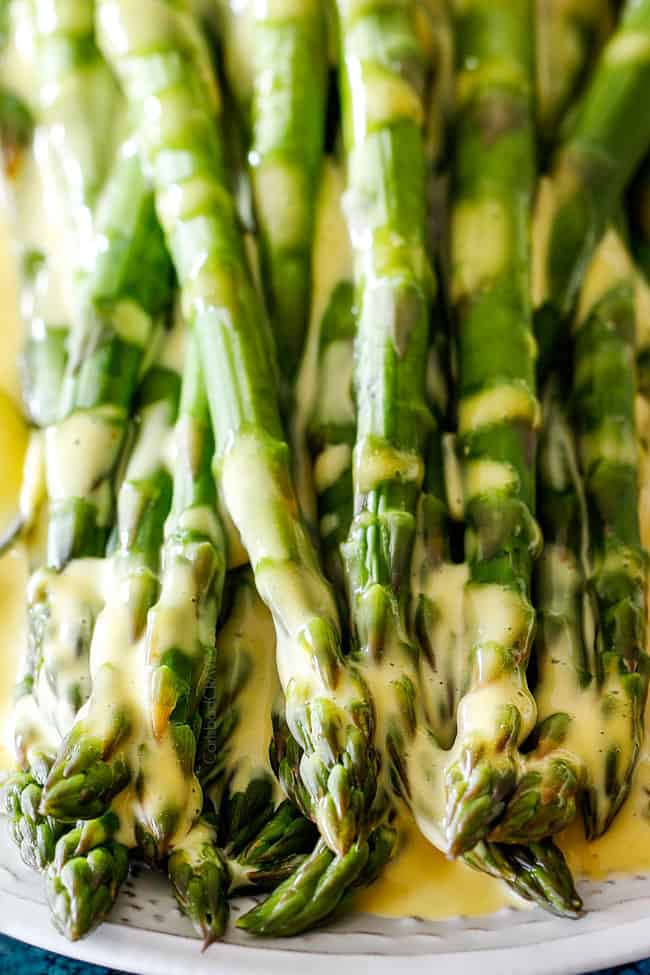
152 953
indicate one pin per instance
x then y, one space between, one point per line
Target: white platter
146 934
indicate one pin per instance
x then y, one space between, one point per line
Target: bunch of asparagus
448 488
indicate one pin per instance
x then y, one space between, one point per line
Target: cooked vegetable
553 774
498 412
129 289
180 638
289 74
537 872
603 397
327 705
35 835
93 762
85 876
281 494
603 146
76 97
569 35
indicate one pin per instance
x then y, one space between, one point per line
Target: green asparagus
241 794
93 762
129 289
605 142
382 121
327 704
603 395
179 644
320 886
595 677
553 774
245 839
498 413
537 872
34 835
569 35
288 128
84 879
77 95
200 878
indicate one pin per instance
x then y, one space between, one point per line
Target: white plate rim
153 953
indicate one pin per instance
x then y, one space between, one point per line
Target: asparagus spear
604 393
320 886
179 644
246 840
382 121
34 835
180 636
45 351
552 775
77 95
327 704
200 878
288 127
536 871
85 876
569 36
129 290
93 762
590 169
605 673
382 84
241 794
332 428
498 412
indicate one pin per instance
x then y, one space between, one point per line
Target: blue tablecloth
19 959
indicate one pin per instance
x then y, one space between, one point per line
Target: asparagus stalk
179 644
383 126
382 120
498 412
247 838
553 774
590 169
569 35
536 871
332 428
286 146
241 794
76 96
200 878
327 704
320 887
45 351
180 637
323 882
604 394
34 835
93 762
129 290
85 876
601 564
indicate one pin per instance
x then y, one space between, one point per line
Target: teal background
19 959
